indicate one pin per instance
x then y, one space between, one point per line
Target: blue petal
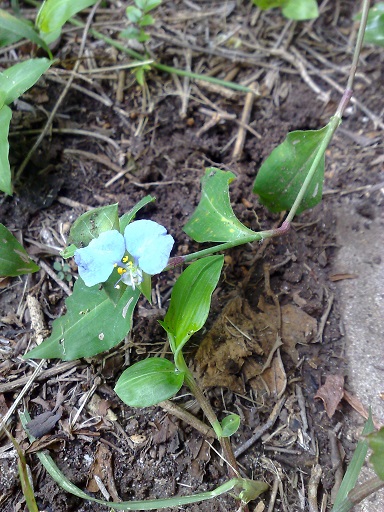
148 243
96 261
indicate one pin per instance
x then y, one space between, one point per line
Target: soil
166 134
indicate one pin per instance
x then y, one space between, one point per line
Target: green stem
336 119
261 235
197 392
163 67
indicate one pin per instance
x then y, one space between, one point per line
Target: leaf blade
149 382
214 220
281 176
14 260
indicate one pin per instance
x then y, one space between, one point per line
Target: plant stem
259 236
336 119
163 67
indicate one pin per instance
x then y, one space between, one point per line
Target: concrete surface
361 240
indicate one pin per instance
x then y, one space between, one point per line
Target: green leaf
146 287
376 443
130 33
68 252
146 20
300 10
214 220
292 9
147 5
281 176
268 4
5 169
15 80
89 225
129 216
354 468
14 260
97 319
191 299
149 382
133 13
230 425
374 32
21 28
53 14
142 38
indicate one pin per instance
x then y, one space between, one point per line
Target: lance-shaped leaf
129 216
214 220
191 299
19 28
89 225
149 382
17 79
95 322
14 260
54 13
281 176
5 169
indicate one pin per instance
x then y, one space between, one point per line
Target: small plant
63 271
139 17
292 9
117 257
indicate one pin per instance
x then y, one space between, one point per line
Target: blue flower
97 260
148 246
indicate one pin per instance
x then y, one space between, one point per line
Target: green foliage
14 81
230 425
140 18
5 169
53 14
282 175
149 382
17 79
13 29
376 443
191 300
14 260
374 33
63 270
353 471
89 225
97 319
129 216
298 10
214 220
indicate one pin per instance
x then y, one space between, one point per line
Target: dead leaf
44 423
297 328
331 393
243 341
274 377
355 403
102 469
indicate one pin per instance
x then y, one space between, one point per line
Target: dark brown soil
152 454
